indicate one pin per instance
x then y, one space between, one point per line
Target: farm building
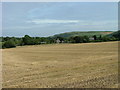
58 41
91 38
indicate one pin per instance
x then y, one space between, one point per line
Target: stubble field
87 65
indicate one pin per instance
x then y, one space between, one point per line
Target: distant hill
88 33
115 34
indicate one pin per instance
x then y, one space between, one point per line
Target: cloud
52 21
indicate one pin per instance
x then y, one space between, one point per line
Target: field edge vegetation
72 37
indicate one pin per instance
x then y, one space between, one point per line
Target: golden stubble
88 65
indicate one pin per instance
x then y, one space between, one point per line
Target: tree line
10 42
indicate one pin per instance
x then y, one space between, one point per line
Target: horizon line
62 33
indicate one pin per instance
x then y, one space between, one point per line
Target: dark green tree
78 39
85 39
95 37
27 40
105 38
100 37
9 44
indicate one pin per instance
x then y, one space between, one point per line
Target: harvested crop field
88 65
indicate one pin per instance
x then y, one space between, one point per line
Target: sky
50 18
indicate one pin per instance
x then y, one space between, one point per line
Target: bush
9 44
105 38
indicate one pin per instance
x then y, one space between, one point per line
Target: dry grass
87 65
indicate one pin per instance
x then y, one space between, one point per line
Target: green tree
95 37
27 40
105 38
85 39
78 39
100 37
9 44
